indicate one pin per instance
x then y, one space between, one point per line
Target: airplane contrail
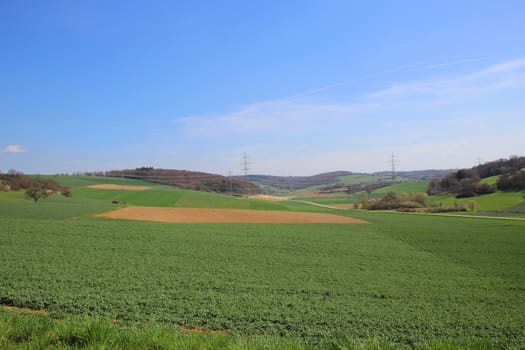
418 66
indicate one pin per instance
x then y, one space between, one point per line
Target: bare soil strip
24 310
205 215
119 187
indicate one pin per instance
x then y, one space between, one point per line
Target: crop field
405 279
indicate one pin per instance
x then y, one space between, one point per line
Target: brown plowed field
119 187
225 216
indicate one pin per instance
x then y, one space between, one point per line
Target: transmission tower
393 163
245 164
230 180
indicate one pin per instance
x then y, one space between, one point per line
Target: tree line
35 187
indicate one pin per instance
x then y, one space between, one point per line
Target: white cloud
440 122
13 149
304 114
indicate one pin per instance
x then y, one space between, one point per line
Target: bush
514 181
485 188
410 204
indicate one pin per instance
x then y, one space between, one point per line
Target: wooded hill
467 182
189 180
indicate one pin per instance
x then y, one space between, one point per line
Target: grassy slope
81 181
358 179
491 180
510 201
346 180
404 187
489 202
88 201
15 205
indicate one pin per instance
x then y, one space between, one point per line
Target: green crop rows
404 279
407 279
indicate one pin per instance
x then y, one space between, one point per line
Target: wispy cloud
498 77
302 114
418 66
442 121
274 116
452 63
13 149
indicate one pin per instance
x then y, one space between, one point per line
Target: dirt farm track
205 215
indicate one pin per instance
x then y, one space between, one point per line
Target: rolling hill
336 180
189 180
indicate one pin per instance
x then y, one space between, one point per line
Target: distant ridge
190 180
255 184
418 174
292 183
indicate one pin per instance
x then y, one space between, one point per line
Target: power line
245 164
230 179
393 162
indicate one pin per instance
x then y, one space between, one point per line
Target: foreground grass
406 279
23 330
403 281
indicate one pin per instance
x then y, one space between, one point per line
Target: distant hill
504 174
292 183
338 180
418 174
189 180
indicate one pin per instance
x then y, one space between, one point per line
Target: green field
347 180
82 181
356 179
86 201
404 187
493 180
498 201
403 279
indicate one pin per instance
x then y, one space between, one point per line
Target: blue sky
302 87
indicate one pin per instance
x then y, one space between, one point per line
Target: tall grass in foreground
19 330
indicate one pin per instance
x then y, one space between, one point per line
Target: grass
326 200
29 331
493 180
15 205
402 281
82 181
404 187
362 179
490 202
354 179
405 279
87 201
173 197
